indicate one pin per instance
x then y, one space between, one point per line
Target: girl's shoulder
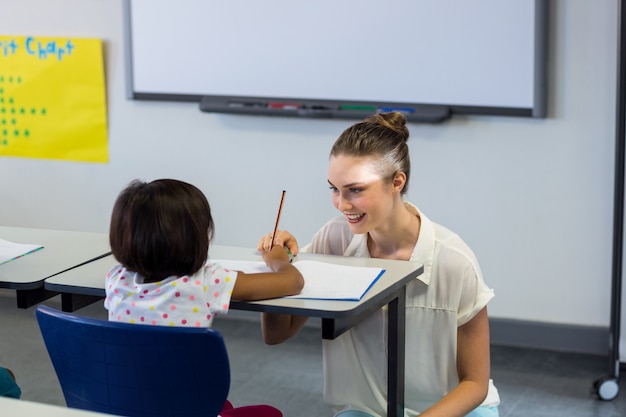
212 271
115 271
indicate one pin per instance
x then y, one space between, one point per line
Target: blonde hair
383 137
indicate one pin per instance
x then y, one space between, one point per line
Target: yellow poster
52 98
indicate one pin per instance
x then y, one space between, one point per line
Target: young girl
447 330
160 234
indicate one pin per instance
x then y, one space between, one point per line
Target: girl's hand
284 279
276 258
282 238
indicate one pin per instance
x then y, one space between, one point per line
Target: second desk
62 249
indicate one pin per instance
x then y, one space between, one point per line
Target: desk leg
396 328
73 302
28 298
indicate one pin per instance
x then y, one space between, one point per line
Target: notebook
322 280
10 251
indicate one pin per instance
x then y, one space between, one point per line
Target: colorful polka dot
171 305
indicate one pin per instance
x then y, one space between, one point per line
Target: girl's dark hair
161 228
383 136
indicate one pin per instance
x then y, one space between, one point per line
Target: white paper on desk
322 280
10 250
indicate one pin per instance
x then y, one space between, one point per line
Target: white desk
62 250
337 316
20 408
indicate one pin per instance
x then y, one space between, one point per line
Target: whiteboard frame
432 112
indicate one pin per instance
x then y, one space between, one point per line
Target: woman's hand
282 238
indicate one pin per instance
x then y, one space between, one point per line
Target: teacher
447 330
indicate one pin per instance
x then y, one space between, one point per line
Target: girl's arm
473 366
284 279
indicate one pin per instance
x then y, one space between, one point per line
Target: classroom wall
534 198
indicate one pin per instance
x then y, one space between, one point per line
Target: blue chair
136 370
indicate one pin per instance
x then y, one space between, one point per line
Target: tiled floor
544 383
532 383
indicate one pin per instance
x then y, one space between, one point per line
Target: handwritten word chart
52 98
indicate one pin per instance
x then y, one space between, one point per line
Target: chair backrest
136 370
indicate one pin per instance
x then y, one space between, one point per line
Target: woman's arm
473 366
277 328
284 279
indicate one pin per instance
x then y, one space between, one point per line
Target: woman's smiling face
359 192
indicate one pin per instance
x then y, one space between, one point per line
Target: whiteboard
478 56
